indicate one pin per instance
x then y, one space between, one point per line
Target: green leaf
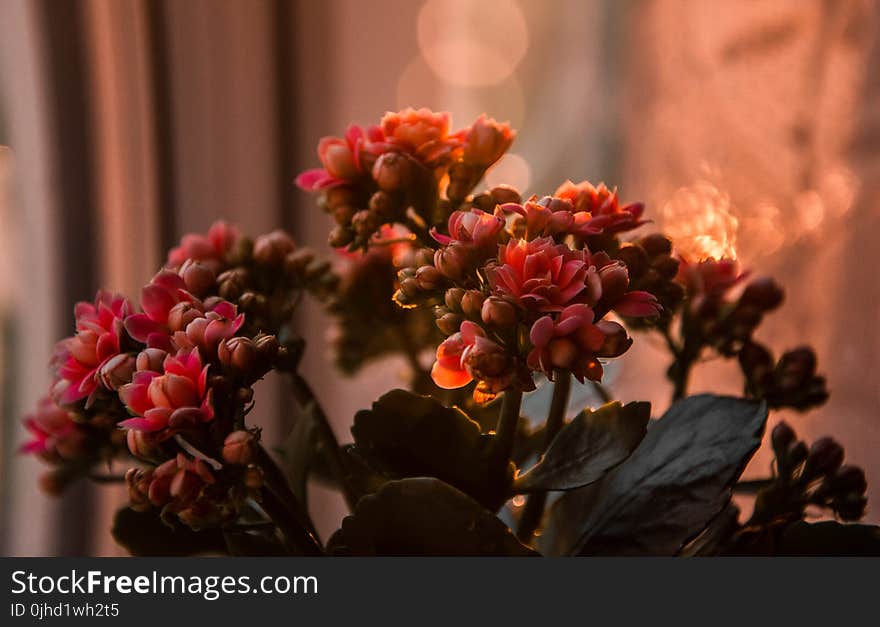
676 481
423 516
144 534
298 453
406 435
588 447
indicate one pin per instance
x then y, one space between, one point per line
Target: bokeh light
472 44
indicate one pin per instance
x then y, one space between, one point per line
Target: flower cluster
814 475
518 289
396 172
169 380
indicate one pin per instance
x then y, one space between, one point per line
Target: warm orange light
700 220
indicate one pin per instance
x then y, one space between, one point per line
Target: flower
546 217
710 278
174 319
486 141
603 206
54 433
468 355
569 342
545 276
420 132
474 227
174 398
210 249
344 159
99 337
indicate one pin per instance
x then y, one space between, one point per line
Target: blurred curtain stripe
28 519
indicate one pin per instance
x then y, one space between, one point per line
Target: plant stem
306 397
277 483
296 537
505 432
534 507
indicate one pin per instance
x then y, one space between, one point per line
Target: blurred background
748 127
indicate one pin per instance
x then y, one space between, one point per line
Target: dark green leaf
144 534
674 483
298 453
423 516
406 435
830 538
588 447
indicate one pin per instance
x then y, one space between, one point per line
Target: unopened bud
451 261
763 293
238 448
181 315
382 205
238 354
782 437
656 244
296 262
365 223
343 214
449 323
615 281
453 298
198 277
391 171
503 194
231 284
341 236
635 259
429 278
826 456
338 196
795 367
616 343
151 359
472 304
498 312
272 248
117 371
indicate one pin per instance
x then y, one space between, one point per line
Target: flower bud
182 314
451 261
453 298
151 359
272 248
763 293
615 281
340 237
849 479
238 354
795 367
391 171
503 194
383 206
826 456
117 371
498 312
338 196
635 259
616 343
782 437
238 448
472 303
138 482
141 444
423 257
756 362
449 323
666 266
295 263
198 277
487 141
365 223
656 244
429 278
343 214
232 283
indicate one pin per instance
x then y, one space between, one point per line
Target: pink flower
210 249
54 434
473 227
545 276
99 337
469 355
486 141
603 206
173 399
174 319
710 278
569 342
344 159
546 217
420 132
